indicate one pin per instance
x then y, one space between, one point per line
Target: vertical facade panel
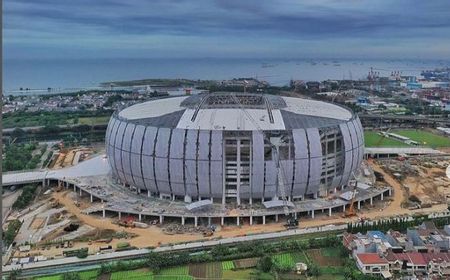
257 180
147 157
315 163
287 169
203 174
126 153
118 152
149 177
162 160
361 139
135 156
270 184
149 141
111 151
216 145
177 144
216 164
176 176
301 162
348 153
355 148
203 163
176 163
216 178
191 164
108 133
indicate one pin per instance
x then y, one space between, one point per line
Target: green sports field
373 139
424 138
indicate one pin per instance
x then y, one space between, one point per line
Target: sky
74 29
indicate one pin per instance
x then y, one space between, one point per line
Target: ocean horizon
87 73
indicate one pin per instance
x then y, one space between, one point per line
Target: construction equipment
275 143
291 222
208 233
350 211
127 222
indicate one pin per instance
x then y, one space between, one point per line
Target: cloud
184 27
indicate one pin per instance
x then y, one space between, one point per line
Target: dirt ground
153 236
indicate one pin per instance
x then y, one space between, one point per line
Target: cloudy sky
226 28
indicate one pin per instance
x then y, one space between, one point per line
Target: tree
313 269
265 264
14 274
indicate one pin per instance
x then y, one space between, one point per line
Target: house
372 263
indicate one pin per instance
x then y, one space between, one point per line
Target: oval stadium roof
236 111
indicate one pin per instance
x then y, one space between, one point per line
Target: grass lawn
299 257
285 259
94 120
330 252
373 139
132 275
425 138
227 265
246 274
52 277
88 275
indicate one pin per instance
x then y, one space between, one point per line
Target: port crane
275 143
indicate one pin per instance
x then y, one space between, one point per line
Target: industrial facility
234 148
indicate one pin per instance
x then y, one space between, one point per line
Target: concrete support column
295 215
92 198
382 196
140 217
237 220
182 220
104 213
329 211
120 215
359 205
149 194
195 221
251 220
74 188
264 220
222 221
138 190
371 201
81 192
209 221
343 208
312 214
250 201
276 218
390 192
161 219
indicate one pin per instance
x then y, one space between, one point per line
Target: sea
65 75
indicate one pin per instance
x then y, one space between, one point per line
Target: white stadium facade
234 148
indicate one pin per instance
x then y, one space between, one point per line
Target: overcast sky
227 28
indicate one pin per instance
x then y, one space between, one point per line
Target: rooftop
236 111
371 258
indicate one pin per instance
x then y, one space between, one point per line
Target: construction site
188 185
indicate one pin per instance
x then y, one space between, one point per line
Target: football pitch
424 138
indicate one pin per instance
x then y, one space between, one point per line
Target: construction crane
275 143
350 211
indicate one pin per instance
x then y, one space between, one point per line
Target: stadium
234 148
